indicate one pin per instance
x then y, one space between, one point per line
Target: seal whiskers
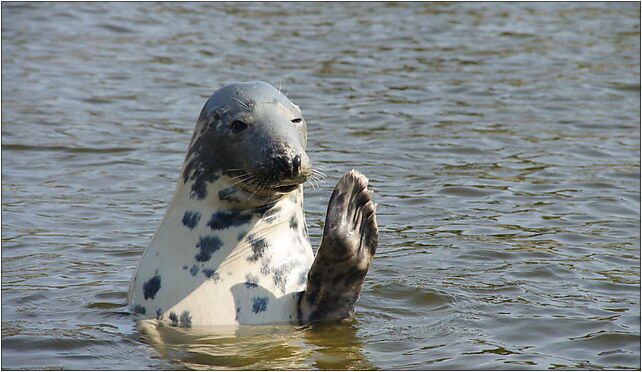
246 177
242 103
315 177
255 191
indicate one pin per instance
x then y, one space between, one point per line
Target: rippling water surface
502 140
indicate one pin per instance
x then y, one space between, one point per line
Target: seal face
248 130
233 246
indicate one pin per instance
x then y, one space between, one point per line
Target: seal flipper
349 242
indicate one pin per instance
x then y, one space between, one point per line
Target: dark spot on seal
185 319
294 223
159 314
201 179
185 267
138 309
208 245
199 191
227 194
174 318
188 169
202 166
193 270
251 281
190 219
258 248
225 219
211 273
251 285
151 287
208 272
280 274
259 304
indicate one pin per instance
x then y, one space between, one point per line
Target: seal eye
237 126
297 120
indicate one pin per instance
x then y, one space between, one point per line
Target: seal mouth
248 181
286 188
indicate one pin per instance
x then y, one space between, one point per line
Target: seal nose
288 167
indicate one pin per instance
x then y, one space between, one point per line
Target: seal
233 246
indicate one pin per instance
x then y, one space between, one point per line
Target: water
502 140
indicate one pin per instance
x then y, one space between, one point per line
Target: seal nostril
282 165
296 165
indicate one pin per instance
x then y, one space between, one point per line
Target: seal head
252 132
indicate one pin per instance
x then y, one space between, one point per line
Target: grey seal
233 246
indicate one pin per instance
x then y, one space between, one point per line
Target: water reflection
321 346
